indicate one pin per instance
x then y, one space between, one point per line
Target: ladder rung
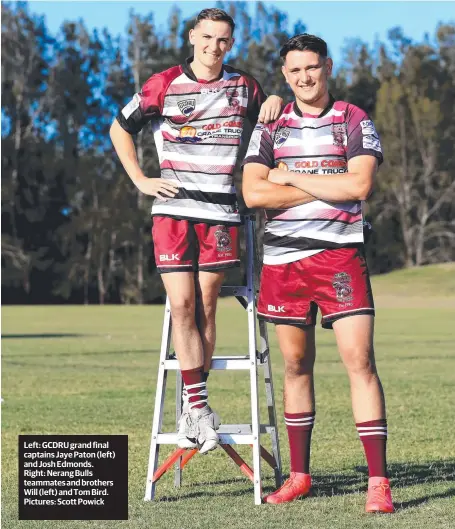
234 291
218 362
225 438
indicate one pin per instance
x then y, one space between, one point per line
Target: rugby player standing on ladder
197 111
311 169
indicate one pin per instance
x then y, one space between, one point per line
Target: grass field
92 370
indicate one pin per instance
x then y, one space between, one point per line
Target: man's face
211 40
307 74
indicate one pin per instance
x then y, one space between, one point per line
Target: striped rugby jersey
309 144
197 127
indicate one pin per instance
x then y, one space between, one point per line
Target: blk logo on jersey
169 257
274 308
339 134
187 107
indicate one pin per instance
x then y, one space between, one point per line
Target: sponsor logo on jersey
281 136
188 135
233 96
223 240
273 308
368 128
187 107
172 257
339 134
283 166
372 142
342 285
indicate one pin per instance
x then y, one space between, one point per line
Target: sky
333 21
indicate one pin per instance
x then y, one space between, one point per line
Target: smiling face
307 74
211 40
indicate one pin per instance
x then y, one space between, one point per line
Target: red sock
373 435
194 383
299 427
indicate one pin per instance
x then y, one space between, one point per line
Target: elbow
364 192
251 199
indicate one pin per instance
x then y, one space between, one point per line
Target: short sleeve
362 136
145 105
260 148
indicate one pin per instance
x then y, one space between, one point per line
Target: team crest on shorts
223 240
281 136
341 284
339 134
187 107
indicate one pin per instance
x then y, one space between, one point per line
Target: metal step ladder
229 434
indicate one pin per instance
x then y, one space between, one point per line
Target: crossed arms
277 189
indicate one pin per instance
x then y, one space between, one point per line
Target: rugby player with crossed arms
198 111
311 169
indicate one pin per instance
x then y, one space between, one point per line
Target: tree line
75 229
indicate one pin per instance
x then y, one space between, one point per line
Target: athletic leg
354 337
297 345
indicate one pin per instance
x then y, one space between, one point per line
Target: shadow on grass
401 474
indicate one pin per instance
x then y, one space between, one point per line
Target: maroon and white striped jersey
309 144
197 127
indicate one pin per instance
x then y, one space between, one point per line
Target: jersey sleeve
362 138
260 148
256 97
145 105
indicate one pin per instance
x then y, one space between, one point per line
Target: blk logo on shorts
273 308
167 257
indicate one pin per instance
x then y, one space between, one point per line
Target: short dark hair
217 15
304 42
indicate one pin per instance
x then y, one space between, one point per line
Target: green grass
92 370
432 280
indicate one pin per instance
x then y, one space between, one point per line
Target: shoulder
160 81
236 72
350 110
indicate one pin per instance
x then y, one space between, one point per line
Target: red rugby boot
296 486
379 498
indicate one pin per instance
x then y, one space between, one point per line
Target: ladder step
229 434
225 438
218 362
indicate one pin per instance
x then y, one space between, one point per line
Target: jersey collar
321 115
188 71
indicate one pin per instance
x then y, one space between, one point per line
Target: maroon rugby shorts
185 246
337 281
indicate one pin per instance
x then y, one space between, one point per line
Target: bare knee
183 311
359 362
298 366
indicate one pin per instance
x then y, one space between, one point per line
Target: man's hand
278 176
270 109
157 187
